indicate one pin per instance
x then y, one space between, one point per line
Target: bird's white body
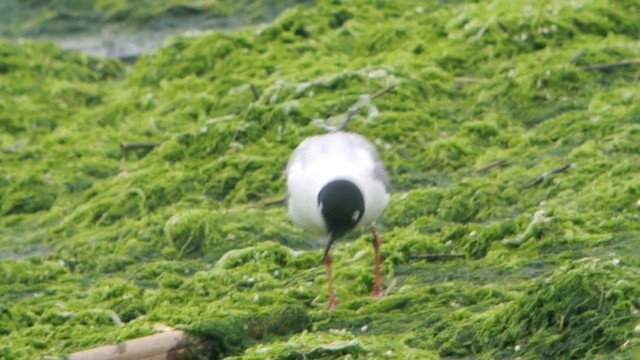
321 159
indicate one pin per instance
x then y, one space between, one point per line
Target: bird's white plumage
321 159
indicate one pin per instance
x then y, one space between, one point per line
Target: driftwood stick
168 345
626 62
436 257
134 146
541 178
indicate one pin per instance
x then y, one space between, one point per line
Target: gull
336 182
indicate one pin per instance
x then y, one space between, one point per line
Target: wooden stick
133 146
167 345
541 178
435 257
626 62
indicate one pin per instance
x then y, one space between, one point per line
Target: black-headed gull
336 182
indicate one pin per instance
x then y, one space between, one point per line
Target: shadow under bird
336 182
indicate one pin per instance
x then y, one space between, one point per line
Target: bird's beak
327 245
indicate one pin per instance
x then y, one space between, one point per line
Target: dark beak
328 244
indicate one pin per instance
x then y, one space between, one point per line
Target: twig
490 166
541 178
436 257
383 91
133 146
352 111
364 100
626 62
254 90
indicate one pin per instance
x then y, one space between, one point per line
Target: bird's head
341 204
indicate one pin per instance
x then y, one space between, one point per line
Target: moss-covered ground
98 244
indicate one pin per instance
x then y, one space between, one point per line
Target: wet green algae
99 244
60 18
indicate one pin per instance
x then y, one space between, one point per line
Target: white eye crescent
355 216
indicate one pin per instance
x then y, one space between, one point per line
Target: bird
336 182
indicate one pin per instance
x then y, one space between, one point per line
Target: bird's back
323 158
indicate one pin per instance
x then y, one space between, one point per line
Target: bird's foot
377 292
333 303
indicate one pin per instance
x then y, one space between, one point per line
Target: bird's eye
356 216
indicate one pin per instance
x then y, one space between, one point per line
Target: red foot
328 262
377 293
332 304
377 284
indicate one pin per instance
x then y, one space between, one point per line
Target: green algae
232 336
99 244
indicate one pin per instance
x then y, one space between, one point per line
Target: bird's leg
328 262
377 284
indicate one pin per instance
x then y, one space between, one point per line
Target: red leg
377 284
328 262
